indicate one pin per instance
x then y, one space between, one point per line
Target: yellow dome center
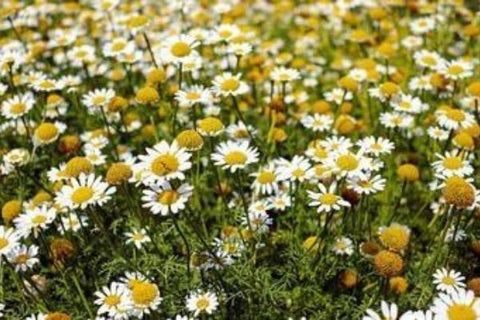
46 132
347 162
455 115
231 84
112 300
452 163
164 164
461 312
180 49
39 219
328 199
18 108
266 177
202 303
168 197
82 195
235 157
144 293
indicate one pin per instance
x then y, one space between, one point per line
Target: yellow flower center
452 163
231 84
3 243
18 108
455 69
164 164
98 100
82 195
429 60
225 33
39 219
46 84
137 21
448 281
297 173
235 157
461 312
144 293
455 115
328 199
112 300
180 49
203 303
138 236
347 162
395 237
240 133
118 46
21 259
46 132
168 197
266 177
193 96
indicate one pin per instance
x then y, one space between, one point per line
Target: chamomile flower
456 70
258 221
178 49
456 305
327 199
396 120
164 162
117 47
193 95
113 301
266 180
375 146
234 156
8 239
283 75
317 122
454 119
409 104
293 170
437 133
23 257
367 183
452 165
138 237
161 198
84 191
17 106
35 220
228 84
238 131
202 303
347 164
428 59
343 246
99 98
448 280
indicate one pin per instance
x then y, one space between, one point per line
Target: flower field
240 159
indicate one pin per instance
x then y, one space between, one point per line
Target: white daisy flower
448 280
233 156
85 191
327 200
164 199
202 302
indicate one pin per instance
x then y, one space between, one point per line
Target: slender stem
185 241
150 51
